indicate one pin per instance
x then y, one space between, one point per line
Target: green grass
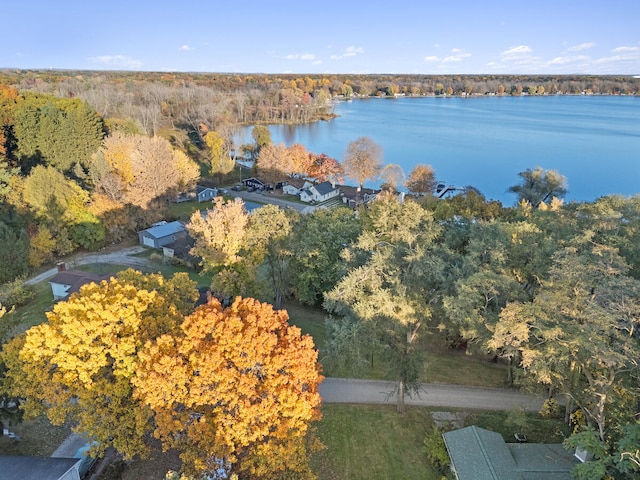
37 437
183 211
309 320
365 442
31 314
538 430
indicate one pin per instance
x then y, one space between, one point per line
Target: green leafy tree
318 239
577 334
540 186
268 241
14 252
393 282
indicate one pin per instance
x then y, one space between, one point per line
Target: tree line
549 288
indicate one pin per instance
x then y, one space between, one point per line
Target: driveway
272 198
125 256
349 390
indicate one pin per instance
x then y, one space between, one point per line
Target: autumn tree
363 160
219 234
188 171
138 169
79 366
301 159
154 168
421 180
221 161
238 388
261 138
324 168
274 163
539 186
392 177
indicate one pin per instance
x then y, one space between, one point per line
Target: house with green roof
479 454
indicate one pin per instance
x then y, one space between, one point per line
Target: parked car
236 188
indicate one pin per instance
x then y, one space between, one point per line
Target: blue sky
416 37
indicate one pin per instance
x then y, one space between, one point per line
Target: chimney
61 267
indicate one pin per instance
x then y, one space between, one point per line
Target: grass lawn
37 437
365 442
538 430
309 320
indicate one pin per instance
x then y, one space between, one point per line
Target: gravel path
120 257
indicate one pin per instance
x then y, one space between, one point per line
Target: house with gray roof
319 193
39 468
479 454
162 233
67 282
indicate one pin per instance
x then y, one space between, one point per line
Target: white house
162 233
318 193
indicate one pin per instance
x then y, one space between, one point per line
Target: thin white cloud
571 60
300 56
116 61
316 62
456 58
186 48
516 52
626 50
457 55
624 58
351 51
582 46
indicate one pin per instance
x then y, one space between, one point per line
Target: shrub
436 450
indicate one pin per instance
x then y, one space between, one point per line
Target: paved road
348 390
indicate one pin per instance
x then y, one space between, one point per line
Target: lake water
594 141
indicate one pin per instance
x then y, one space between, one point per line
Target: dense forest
552 289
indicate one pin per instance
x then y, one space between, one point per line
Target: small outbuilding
67 282
162 233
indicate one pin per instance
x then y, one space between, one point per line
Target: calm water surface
594 141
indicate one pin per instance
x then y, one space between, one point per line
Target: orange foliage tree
237 389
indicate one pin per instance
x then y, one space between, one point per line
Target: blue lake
594 141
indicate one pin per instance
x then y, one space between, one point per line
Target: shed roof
165 229
34 468
76 279
479 454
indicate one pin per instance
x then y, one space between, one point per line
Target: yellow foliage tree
238 388
220 235
79 366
